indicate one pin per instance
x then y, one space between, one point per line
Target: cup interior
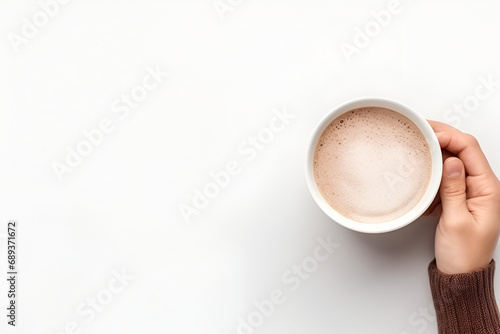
432 188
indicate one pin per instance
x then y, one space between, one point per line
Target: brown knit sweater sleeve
465 303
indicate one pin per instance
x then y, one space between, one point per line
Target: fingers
431 210
453 190
445 154
464 146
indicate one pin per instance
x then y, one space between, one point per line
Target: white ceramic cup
432 188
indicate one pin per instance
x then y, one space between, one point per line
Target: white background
119 209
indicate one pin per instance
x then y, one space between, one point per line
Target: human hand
468 204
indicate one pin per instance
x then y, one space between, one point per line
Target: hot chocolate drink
372 164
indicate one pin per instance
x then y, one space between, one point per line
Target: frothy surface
372 164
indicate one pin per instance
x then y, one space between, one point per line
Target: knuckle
471 140
454 191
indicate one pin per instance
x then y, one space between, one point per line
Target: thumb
453 188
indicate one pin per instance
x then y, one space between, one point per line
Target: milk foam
372 164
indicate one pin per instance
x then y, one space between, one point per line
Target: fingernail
453 168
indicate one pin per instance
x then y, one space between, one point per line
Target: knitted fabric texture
465 303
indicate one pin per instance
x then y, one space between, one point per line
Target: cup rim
436 168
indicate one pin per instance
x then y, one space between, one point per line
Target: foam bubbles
372 164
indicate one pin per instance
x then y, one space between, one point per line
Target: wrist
456 266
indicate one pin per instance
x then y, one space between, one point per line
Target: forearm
465 303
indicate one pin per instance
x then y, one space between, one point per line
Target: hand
468 204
